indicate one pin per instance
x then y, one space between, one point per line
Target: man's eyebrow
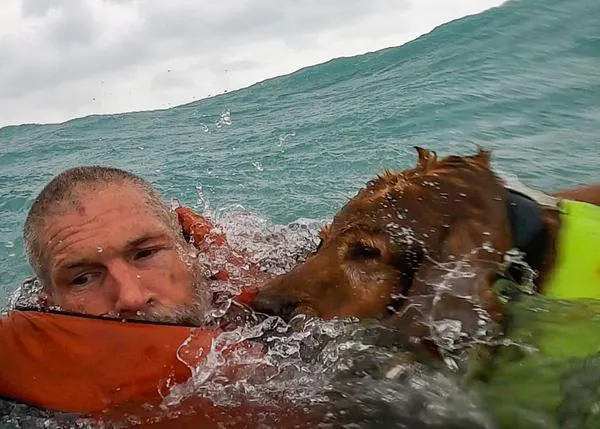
145 239
85 262
79 263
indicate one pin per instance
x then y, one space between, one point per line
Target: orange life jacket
111 371
75 363
207 240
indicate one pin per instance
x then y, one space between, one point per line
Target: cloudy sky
61 59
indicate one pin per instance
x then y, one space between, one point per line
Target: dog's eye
364 251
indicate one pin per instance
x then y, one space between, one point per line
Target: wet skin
111 254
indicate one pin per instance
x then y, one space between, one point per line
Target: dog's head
395 249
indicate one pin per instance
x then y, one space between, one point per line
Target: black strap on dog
529 231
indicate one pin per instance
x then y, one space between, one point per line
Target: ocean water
522 79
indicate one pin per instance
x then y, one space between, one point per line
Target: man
102 242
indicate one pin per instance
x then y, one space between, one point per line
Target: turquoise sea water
522 79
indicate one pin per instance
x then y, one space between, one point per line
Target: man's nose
131 295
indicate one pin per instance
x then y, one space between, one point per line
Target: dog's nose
274 304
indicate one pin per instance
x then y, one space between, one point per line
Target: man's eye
144 253
82 280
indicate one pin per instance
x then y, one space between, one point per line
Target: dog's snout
274 304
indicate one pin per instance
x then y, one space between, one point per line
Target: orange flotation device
206 239
75 363
118 372
85 364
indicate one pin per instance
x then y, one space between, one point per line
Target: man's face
111 254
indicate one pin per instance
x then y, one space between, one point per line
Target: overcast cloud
62 59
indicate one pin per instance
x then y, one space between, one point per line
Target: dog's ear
426 159
453 283
483 156
325 232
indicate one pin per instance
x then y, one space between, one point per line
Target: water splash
334 364
283 138
14 415
276 248
202 202
224 119
258 165
27 295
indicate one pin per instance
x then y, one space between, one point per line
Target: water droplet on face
138 276
99 249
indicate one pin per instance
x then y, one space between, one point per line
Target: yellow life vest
577 270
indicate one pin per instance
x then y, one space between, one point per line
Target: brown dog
423 247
